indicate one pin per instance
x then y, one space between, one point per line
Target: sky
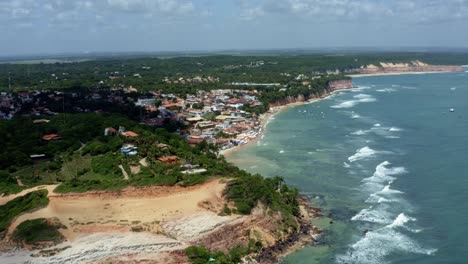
63 26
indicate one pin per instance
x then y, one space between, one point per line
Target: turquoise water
388 164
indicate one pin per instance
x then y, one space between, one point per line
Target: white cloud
148 6
406 10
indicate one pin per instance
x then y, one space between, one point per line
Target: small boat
452 110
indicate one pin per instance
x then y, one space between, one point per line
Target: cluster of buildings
216 116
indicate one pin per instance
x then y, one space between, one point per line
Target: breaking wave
386 90
359 98
363 153
376 245
395 129
360 132
384 174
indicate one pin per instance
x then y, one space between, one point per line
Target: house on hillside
129 150
110 131
195 140
169 160
130 134
51 137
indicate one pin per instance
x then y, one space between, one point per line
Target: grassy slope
19 205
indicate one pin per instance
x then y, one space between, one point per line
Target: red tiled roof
196 140
169 160
51 137
130 134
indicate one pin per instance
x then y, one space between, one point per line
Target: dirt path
125 174
19 182
7 198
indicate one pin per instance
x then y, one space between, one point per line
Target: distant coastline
415 67
394 73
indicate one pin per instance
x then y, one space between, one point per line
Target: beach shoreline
268 116
394 73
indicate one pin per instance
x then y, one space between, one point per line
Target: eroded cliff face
332 86
290 100
409 68
340 84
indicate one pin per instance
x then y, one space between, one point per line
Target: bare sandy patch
5 199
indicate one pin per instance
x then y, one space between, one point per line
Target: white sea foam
387 132
360 88
362 96
363 153
388 190
346 165
395 129
346 104
374 215
374 198
376 245
386 90
453 88
360 132
359 98
281 151
383 174
401 220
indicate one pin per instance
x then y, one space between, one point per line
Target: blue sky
57 26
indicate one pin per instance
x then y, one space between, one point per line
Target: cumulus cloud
409 10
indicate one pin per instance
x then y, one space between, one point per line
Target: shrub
37 230
19 205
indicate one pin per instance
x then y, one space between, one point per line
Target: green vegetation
201 255
8 183
225 67
38 230
318 87
85 160
19 205
248 190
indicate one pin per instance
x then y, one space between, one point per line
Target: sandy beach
393 73
268 116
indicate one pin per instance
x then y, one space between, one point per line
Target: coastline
268 116
393 73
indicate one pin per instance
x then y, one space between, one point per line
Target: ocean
388 164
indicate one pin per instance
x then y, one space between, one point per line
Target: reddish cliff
405 69
332 86
340 84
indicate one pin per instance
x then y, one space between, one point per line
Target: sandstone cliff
415 66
